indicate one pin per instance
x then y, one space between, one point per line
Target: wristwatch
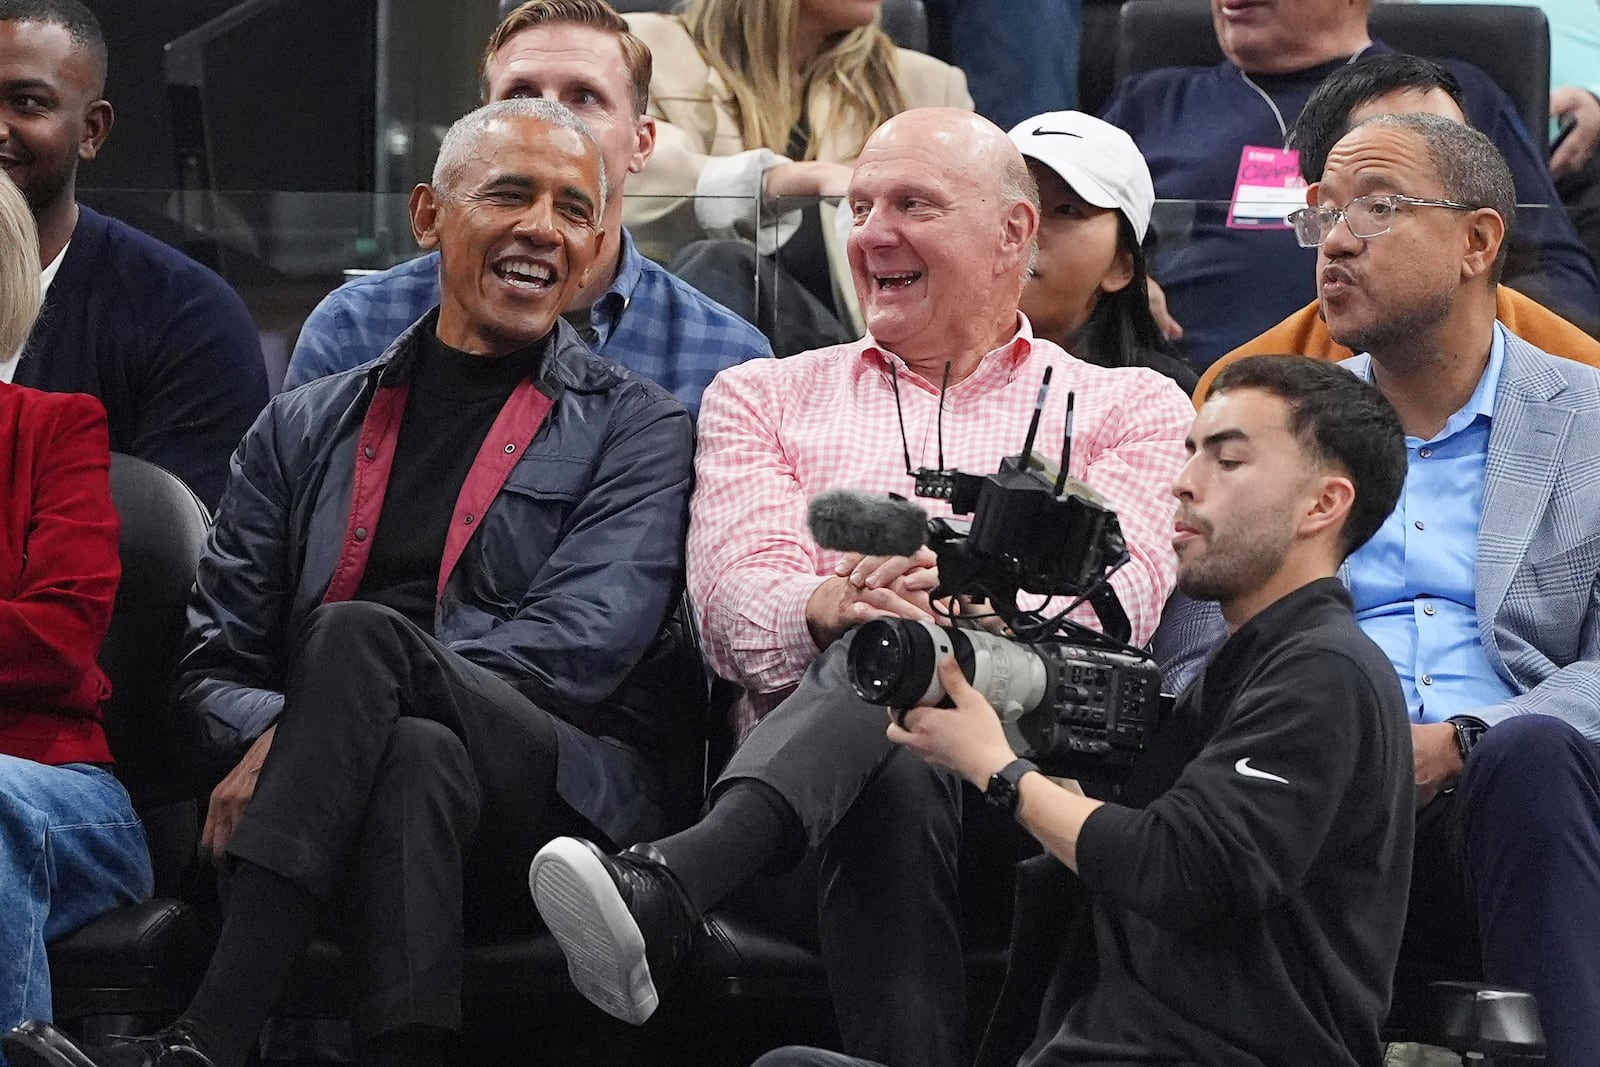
1468 730
1002 792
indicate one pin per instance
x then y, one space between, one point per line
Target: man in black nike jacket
1246 891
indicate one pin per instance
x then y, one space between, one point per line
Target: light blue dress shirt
1414 584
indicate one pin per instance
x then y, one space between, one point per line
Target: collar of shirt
8 367
998 367
49 273
1481 403
608 309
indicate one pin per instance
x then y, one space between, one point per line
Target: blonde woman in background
760 100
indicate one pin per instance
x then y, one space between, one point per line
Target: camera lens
892 663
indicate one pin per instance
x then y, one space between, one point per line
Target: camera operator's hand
966 739
869 587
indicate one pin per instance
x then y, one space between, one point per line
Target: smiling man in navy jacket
163 342
426 631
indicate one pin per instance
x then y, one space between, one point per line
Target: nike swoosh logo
1040 131
1244 768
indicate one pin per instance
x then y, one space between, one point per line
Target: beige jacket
702 181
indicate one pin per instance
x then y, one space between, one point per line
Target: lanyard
1283 127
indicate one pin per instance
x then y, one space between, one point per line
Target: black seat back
163 533
1508 42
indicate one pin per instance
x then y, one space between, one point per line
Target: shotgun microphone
847 520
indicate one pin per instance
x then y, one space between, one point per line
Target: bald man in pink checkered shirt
773 435
944 223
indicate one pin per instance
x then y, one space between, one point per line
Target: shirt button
361 533
1419 524
1427 679
369 452
1426 453
1427 609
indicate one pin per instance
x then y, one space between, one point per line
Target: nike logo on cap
1040 131
1244 768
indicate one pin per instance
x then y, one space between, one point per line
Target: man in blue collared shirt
1484 584
634 312
1415 582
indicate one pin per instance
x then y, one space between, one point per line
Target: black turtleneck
453 400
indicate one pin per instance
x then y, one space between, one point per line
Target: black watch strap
1468 731
1004 791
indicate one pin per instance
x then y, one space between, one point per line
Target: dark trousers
1506 879
399 774
887 832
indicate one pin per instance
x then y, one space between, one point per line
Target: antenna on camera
938 419
1033 424
905 445
1066 449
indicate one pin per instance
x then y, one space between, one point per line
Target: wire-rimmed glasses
1367 216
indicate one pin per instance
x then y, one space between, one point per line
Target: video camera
1079 703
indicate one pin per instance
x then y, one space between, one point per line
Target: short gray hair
1017 184
1468 165
471 127
19 271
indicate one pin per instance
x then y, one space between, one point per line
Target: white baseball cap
1099 161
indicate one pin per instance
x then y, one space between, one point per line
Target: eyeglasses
1367 216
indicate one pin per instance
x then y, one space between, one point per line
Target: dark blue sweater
1226 286
165 344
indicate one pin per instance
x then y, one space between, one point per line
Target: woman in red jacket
70 845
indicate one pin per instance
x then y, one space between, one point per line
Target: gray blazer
1538 584
1538 587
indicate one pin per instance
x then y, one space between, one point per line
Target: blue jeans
71 849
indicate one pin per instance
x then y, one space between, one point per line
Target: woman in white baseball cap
1089 291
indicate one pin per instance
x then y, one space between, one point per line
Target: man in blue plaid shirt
634 312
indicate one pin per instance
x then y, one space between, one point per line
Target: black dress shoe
38 1044
623 921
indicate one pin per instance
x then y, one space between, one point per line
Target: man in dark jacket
1247 889
164 343
433 595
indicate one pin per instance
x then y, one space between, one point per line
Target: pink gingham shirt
775 433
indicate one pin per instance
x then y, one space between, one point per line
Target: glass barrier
1227 282
285 251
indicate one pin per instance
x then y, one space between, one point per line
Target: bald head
945 216
968 140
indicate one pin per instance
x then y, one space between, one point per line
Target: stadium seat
1178 33
143 961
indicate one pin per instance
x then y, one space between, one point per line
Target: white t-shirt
9 368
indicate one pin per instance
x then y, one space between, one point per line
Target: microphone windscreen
850 521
